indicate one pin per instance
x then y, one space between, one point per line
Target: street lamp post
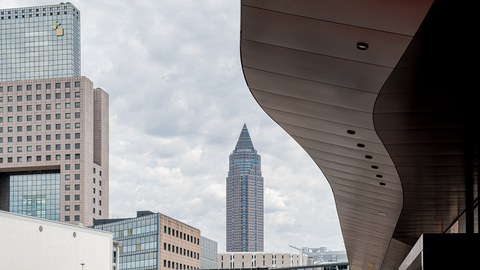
82 264
301 253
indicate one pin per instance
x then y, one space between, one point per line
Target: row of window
38 86
38 117
48 96
181 235
176 265
181 251
38 148
38 158
29 128
48 137
38 107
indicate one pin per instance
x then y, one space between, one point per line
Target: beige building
54 149
259 259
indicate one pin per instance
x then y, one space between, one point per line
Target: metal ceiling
386 131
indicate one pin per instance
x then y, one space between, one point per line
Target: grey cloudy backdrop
178 100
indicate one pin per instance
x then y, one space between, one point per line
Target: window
77 114
57 85
76 218
77 166
19 98
48 106
67 95
77 84
58 116
67 176
77 156
29 87
67 105
77 197
67 207
77 104
77 176
67 85
58 95
38 97
67 187
77 125
67 198
48 116
48 96
58 105
19 88
67 116
38 87
38 107
38 117
77 135
58 126
48 86
67 145
77 207
67 218
77 94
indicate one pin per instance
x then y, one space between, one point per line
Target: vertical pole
469 175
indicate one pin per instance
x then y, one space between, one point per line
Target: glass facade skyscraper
52 120
39 42
245 211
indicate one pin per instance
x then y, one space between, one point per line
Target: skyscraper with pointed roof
245 198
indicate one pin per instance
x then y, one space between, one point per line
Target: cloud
178 101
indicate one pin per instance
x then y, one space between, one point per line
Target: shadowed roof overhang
391 127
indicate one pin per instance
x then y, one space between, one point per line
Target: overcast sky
178 101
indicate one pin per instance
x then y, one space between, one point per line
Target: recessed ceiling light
351 132
361 145
382 183
382 213
375 167
362 46
379 176
368 157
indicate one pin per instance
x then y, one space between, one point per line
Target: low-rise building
259 260
208 253
33 243
154 241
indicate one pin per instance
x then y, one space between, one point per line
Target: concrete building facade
245 211
259 260
54 149
32 243
154 241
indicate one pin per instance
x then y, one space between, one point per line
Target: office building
39 42
53 123
208 253
238 260
154 241
245 211
32 243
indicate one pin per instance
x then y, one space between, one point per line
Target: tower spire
244 141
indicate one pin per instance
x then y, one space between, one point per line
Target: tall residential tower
244 198
53 122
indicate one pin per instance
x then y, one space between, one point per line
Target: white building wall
30 244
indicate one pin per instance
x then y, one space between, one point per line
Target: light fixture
382 213
361 145
363 46
375 167
379 176
382 183
351 132
368 157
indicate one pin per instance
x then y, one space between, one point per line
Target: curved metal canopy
384 110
